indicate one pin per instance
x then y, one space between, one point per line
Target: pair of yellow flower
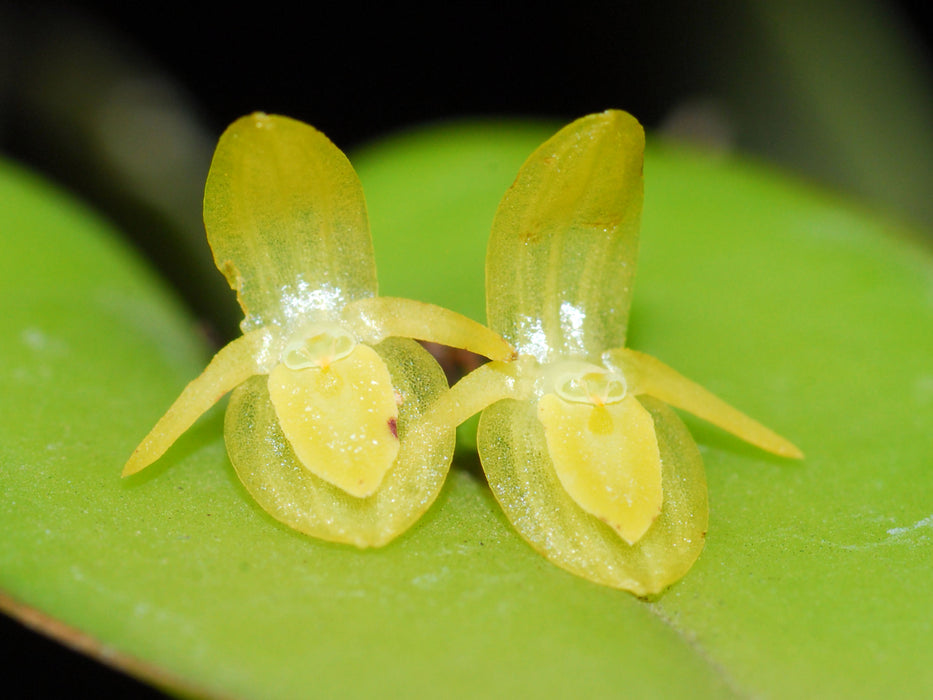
343 427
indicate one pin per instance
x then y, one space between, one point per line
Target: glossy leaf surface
815 576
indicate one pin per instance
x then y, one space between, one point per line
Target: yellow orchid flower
326 380
587 461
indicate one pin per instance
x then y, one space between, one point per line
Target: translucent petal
341 418
234 364
561 257
268 468
482 387
286 219
647 375
381 317
514 453
607 459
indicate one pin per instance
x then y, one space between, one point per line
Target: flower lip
315 428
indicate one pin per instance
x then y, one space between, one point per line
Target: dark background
837 90
358 71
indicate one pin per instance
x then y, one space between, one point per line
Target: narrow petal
376 318
514 453
607 459
234 364
340 419
482 387
561 258
647 375
266 463
286 219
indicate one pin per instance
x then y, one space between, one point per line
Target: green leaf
809 314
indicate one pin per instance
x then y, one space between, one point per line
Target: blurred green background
123 106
